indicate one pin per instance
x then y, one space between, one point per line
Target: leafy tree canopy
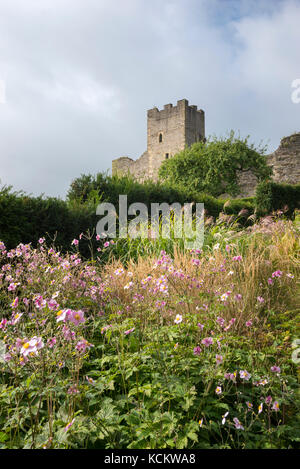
213 166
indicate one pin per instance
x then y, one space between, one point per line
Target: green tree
213 166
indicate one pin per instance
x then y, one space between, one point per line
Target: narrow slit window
167 156
160 138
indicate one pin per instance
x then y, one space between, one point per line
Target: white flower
178 319
224 418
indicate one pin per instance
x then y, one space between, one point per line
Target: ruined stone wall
138 168
285 162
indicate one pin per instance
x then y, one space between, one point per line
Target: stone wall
285 162
138 168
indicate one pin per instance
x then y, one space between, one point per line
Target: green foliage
131 376
25 219
271 196
213 166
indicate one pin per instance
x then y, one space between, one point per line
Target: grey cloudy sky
80 74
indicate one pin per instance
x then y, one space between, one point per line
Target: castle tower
168 132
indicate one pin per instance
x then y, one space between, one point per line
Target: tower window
167 156
160 138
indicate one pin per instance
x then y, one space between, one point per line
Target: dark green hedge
271 196
25 219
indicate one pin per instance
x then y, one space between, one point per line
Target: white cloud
80 76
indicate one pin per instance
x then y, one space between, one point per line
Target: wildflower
277 274
238 424
200 422
39 302
224 297
262 382
275 369
32 346
51 342
245 375
238 297
106 244
249 405
41 240
15 303
90 380
98 237
129 285
248 323
260 408
176 346
82 345
237 258
76 317
73 390
104 329
129 331
60 364
207 341
23 360
16 318
197 350
75 242
275 406
270 281
218 390
201 326
219 359
3 323
53 305
268 400
220 321
290 275
224 418
119 271
178 319
260 299
69 425
68 334
62 314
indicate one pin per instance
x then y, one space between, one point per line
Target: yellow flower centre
26 345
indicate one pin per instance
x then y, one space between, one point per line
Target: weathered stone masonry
174 127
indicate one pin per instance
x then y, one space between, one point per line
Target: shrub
271 196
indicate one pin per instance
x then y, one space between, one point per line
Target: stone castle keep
175 127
